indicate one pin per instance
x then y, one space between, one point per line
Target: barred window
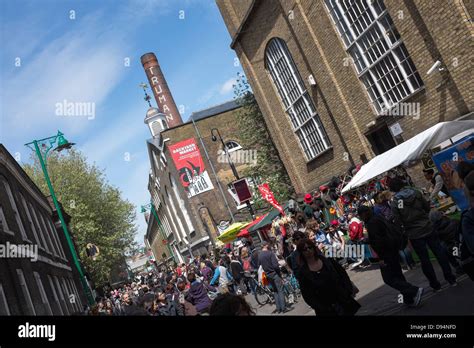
299 105
380 57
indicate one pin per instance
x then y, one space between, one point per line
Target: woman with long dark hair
324 284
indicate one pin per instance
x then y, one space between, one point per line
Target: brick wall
430 30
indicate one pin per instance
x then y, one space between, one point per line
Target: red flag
267 195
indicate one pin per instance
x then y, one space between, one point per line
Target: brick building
37 274
341 81
193 222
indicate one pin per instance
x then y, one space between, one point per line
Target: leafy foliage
99 214
254 135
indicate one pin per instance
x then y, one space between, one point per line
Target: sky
88 51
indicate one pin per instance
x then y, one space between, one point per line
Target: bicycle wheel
261 296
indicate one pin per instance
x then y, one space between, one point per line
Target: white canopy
411 149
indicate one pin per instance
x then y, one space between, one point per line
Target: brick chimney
162 94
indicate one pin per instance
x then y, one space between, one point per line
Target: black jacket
410 210
330 295
378 237
236 270
446 228
269 262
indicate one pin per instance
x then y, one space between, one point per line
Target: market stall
410 150
231 232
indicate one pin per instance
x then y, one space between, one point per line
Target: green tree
99 214
254 135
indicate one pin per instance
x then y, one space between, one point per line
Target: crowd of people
203 286
392 222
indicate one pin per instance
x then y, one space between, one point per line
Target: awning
410 150
245 231
231 232
267 220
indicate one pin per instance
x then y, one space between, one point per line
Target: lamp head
63 143
214 138
143 209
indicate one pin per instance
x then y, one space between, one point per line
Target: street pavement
377 298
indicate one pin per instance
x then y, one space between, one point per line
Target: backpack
395 234
356 231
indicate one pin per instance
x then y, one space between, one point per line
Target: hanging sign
190 166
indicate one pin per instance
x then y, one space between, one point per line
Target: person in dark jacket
237 272
325 285
197 294
270 265
388 252
410 211
167 304
446 229
131 309
293 260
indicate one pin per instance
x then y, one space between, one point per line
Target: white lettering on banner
158 90
161 99
200 183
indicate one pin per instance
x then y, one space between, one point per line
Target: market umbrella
245 231
231 232
268 219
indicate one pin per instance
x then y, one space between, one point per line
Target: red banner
190 166
267 195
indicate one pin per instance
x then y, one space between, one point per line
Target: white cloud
228 86
84 65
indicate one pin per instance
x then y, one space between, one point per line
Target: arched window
232 146
298 104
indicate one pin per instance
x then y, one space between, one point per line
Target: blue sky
83 60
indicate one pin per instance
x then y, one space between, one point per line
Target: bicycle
291 289
262 294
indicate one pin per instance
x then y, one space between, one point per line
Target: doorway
381 139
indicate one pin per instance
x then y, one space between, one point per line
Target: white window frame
16 212
26 292
172 226
71 292
297 101
4 223
53 231
44 296
55 294
235 148
30 219
42 232
383 74
175 214
76 293
182 205
45 229
61 294
4 302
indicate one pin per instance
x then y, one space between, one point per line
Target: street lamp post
151 207
232 166
42 153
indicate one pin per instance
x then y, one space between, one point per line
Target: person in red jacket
356 229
